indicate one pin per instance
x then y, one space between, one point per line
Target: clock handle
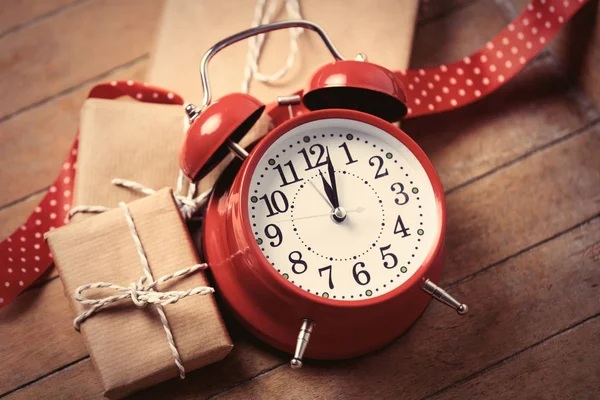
444 297
257 30
302 343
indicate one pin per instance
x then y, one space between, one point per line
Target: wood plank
564 367
48 58
522 204
14 13
463 31
519 284
12 217
432 9
79 382
24 348
36 142
247 359
512 307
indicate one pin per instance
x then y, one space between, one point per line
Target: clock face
342 209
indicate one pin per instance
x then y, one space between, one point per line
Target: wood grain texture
476 237
557 368
79 381
463 32
248 358
26 350
36 142
523 176
433 9
48 58
12 217
512 307
15 13
522 204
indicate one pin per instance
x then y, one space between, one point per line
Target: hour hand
331 172
328 191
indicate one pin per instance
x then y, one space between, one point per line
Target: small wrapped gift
129 140
146 312
133 141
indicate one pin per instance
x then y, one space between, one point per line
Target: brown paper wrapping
128 140
383 29
128 344
134 141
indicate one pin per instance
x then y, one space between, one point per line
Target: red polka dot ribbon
451 86
24 256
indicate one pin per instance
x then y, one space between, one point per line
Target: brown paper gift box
383 29
134 141
128 344
128 140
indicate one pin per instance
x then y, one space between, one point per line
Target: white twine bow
143 292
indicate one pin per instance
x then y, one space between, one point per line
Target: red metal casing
271 307
204 146
357 85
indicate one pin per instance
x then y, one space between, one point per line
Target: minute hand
331 172
328 191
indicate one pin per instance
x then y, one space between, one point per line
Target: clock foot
302 343
444 297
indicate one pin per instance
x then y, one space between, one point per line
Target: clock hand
328 191
321 194
356 210
331 172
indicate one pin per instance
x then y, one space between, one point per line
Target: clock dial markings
364 256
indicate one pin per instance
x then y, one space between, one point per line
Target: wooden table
521 171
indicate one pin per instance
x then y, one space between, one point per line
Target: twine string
143 292
256 43
188 205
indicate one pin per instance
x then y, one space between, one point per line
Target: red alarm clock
328 238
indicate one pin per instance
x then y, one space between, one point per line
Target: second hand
356 210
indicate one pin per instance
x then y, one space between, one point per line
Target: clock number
320 150
380 173
279 169
400 192
366 277
350 159
277 235
277 204
400 228
330 279
296 262
390 255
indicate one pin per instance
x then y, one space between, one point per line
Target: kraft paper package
128 344
381 29
128 140
139 142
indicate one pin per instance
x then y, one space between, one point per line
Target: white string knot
140 294
188 205
143 292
